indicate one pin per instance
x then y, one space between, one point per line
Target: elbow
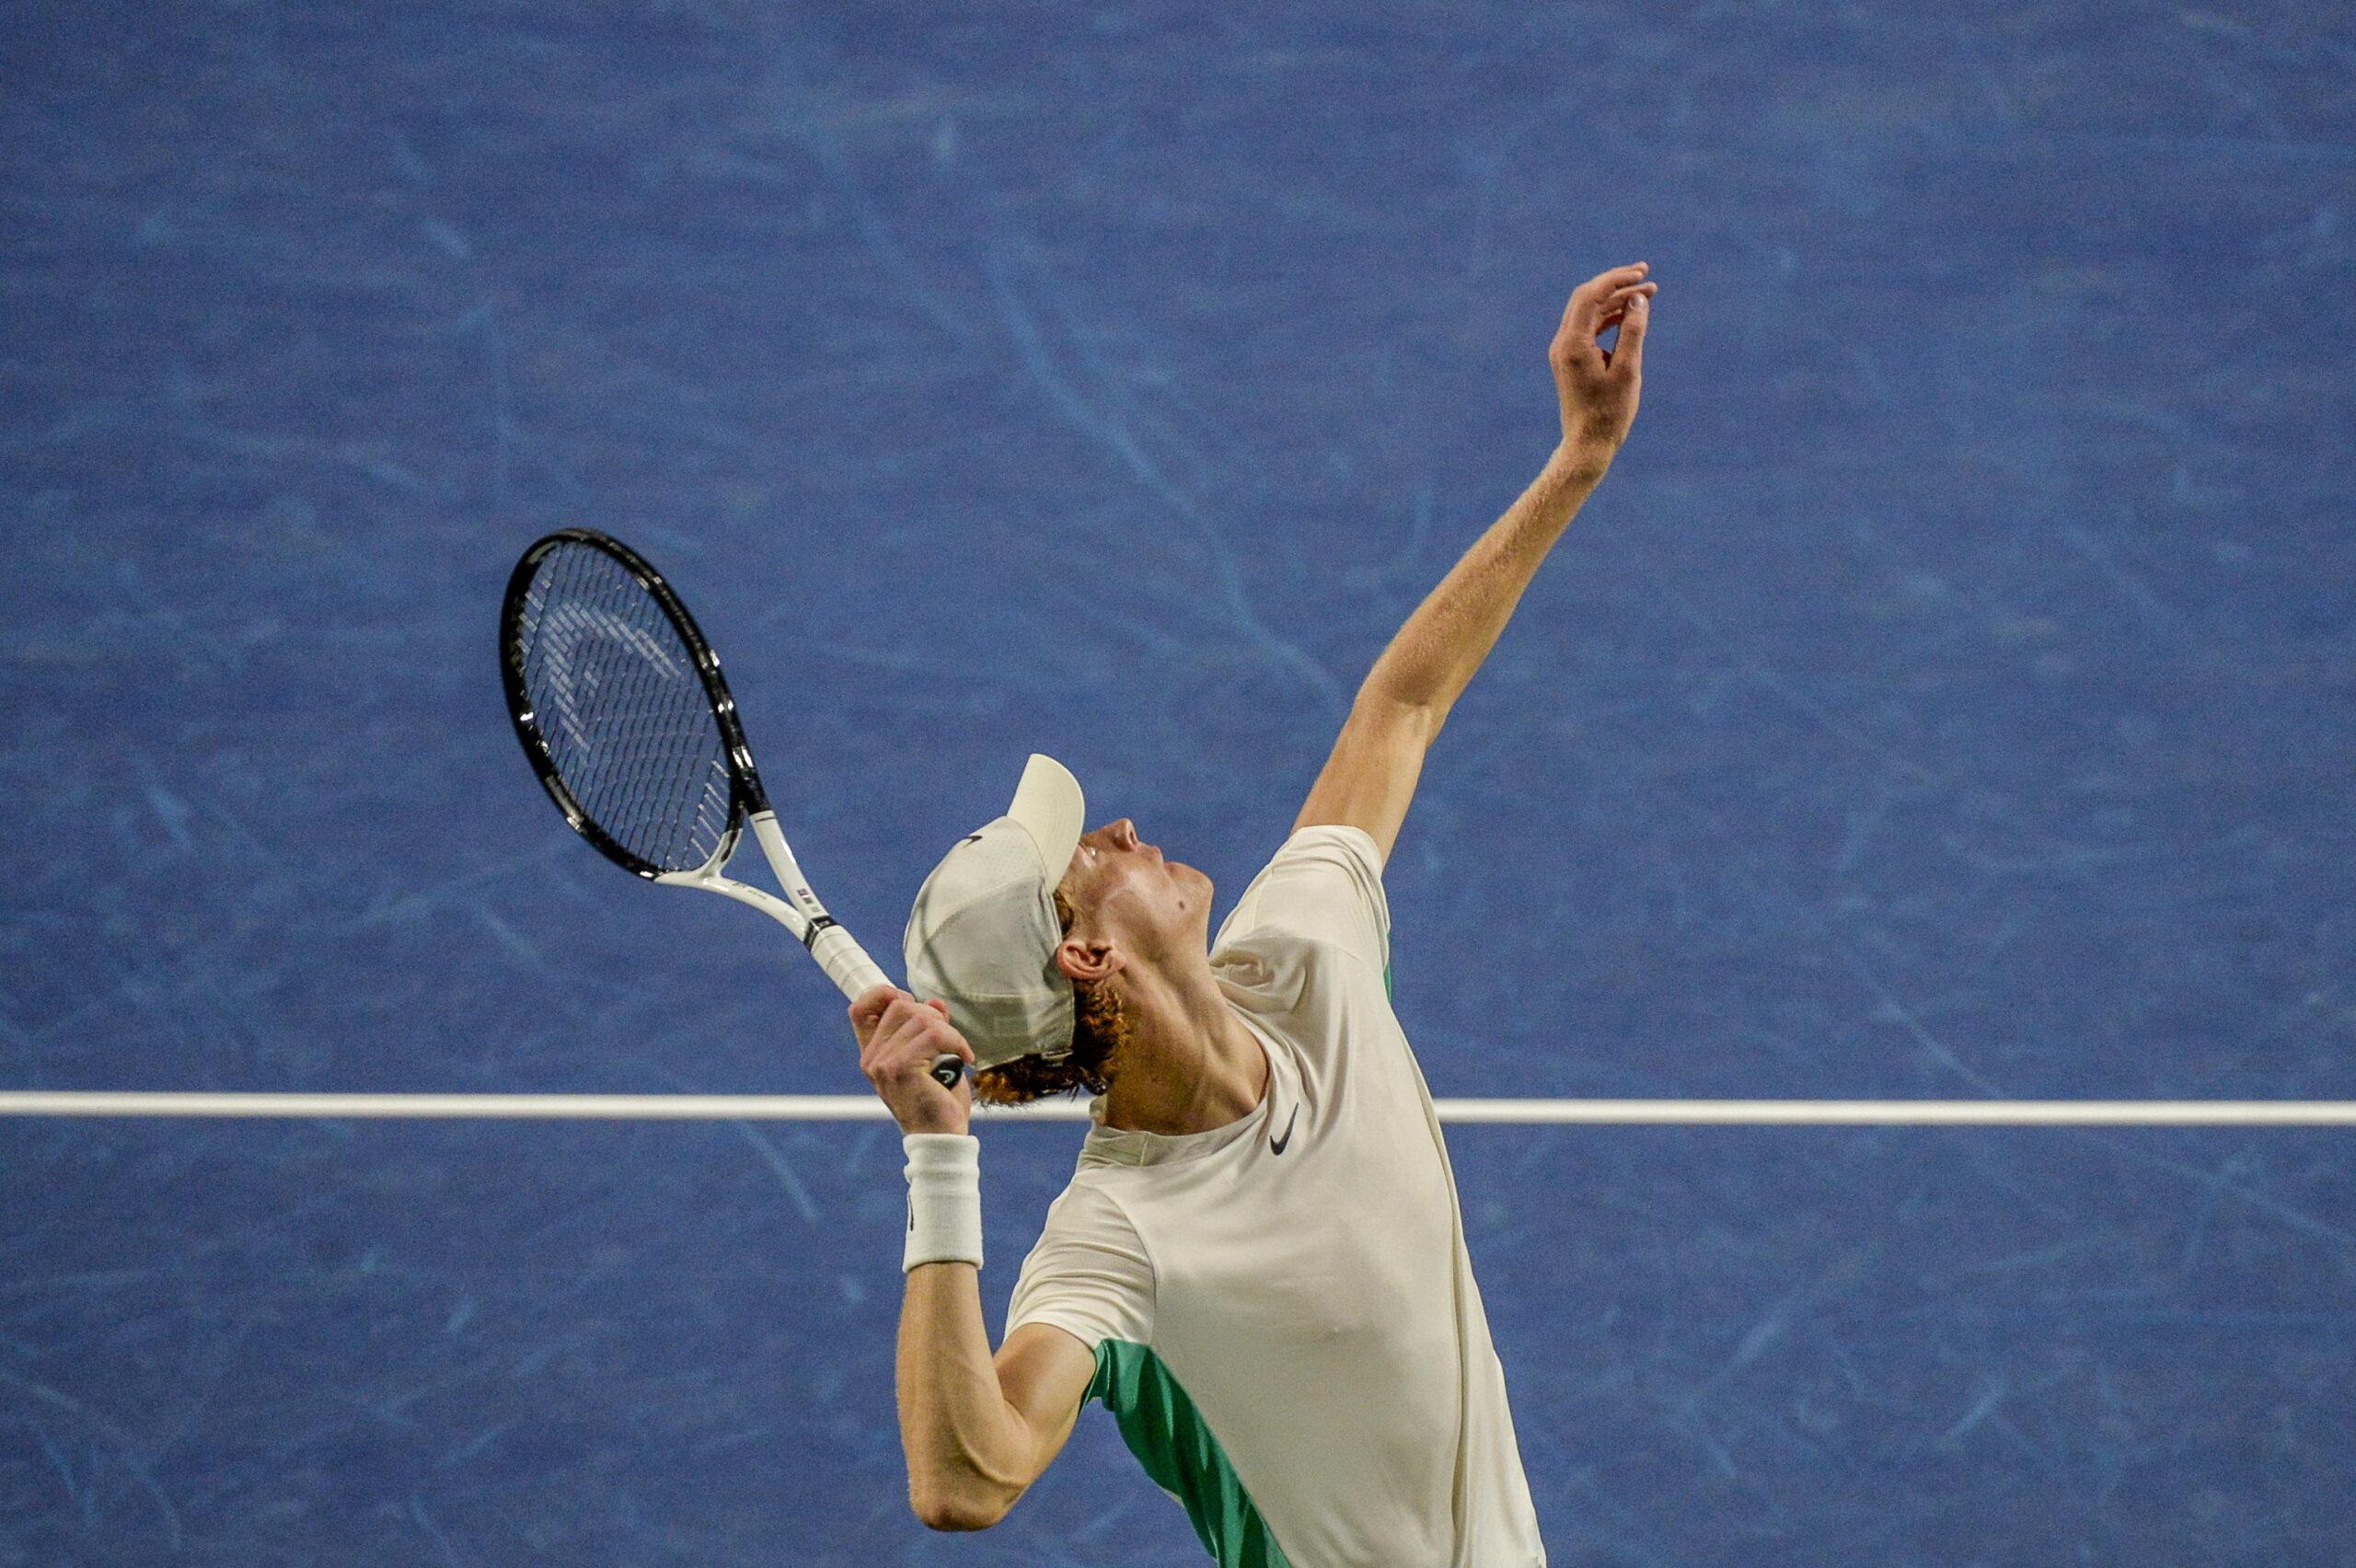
938 1508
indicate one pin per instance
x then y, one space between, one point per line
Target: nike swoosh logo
1276 1145
970 839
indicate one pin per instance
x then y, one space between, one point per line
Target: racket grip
854 974
846 963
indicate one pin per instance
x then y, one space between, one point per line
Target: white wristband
944 1175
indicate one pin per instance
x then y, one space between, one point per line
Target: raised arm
1370 777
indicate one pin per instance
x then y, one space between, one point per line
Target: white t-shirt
1284 1315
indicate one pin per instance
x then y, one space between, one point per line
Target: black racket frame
745 795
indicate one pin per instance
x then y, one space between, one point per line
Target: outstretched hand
1598 386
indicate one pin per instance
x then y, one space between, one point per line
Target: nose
1125 834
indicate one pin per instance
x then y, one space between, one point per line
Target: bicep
1043 1374
1369 779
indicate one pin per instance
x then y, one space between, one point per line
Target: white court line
867 1108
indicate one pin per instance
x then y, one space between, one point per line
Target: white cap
983 934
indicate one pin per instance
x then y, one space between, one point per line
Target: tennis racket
617 698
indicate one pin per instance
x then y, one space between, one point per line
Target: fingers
1598 306
931 1028
907 1037
1585 310
1628 354
1619 299
1615 314
896 1054
870 1004
1630 310
899 1013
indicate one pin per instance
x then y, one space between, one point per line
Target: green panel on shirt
1162 1428
1386 979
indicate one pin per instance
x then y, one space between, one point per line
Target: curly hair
1100 1031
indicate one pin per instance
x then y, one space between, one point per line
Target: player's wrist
944 1199
1584 456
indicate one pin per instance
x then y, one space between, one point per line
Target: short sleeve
1087 1274
1326 883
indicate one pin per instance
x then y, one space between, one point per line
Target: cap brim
1048 806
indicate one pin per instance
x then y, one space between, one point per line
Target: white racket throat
844 961
617 700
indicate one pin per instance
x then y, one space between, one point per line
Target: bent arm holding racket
979 1429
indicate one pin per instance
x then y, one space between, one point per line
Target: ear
1088 961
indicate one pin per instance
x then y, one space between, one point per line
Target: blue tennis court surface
1950 693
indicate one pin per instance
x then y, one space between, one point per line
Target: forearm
1433 658
969 1450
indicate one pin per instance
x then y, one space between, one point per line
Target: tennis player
1258 1265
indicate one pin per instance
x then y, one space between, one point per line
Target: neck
1191 1064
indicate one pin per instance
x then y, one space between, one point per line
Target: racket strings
643 741
623 706
662 745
